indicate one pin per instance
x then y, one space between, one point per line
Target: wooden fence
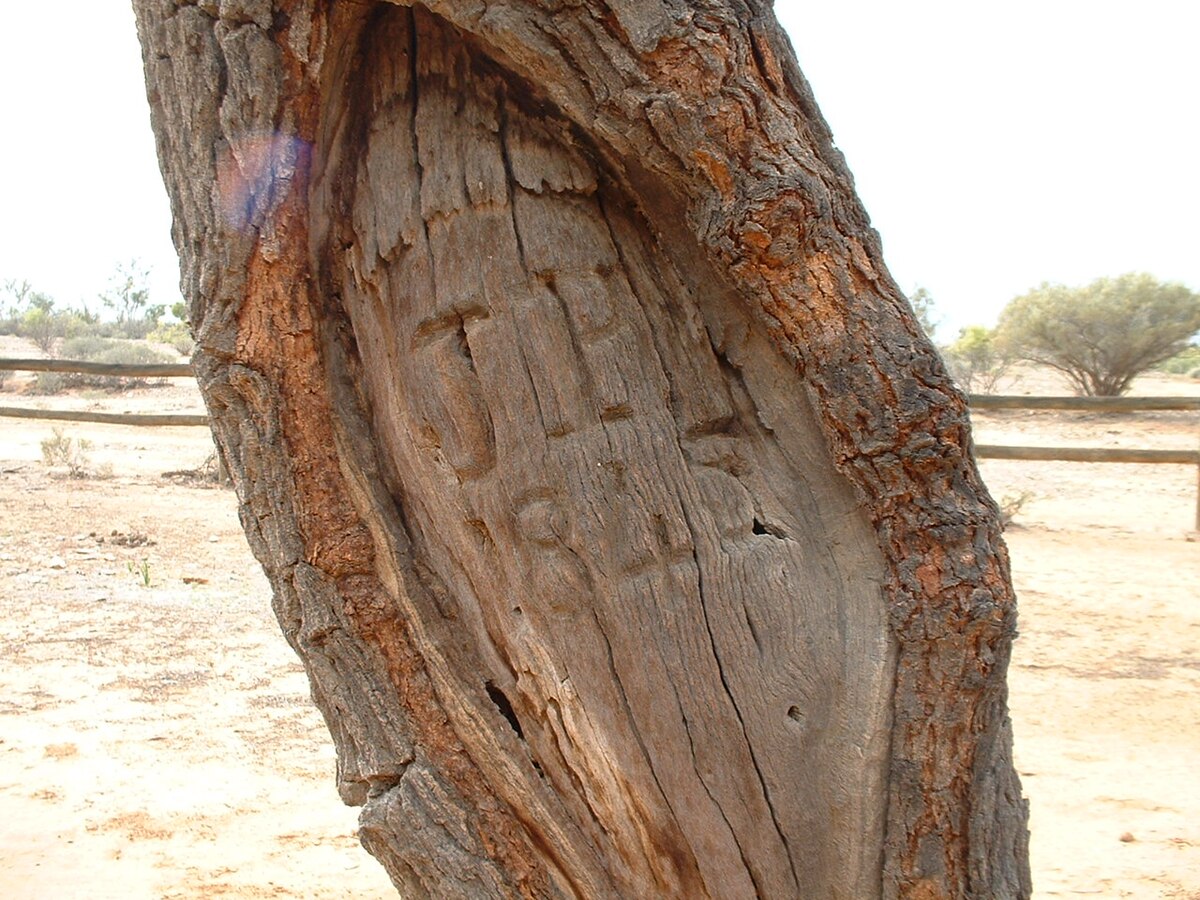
78 367
1091 454
977 401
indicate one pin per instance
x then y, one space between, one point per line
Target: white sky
995 145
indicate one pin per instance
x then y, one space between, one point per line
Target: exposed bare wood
623 517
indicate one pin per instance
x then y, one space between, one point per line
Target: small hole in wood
769 530
796 714
464 345
500 699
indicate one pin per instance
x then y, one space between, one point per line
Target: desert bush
91 348
43 326
1011 506
1186 362
32 314
46 325
119 352
174 334
69 453
47 383
976 361
15 293
86 346
1103 335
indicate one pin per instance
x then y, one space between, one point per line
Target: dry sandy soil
156 737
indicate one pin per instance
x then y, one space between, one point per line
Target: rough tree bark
622 516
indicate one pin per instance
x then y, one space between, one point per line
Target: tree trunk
623 518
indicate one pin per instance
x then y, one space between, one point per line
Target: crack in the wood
588 382
633 726
537 398
737 840
510 179
418 169
733 702
760 61
504 705
618 682
768 529
378 785
753 631
627 272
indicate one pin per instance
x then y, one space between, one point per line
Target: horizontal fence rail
1088 454
976 401
118 370
80 367
103 418
1083 404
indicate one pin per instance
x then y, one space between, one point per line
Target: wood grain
623 517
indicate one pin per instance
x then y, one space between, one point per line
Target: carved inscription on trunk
643 566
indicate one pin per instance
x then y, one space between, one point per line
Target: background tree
1103 335
16 293
127 296
42 323
923 308
976 360
620 511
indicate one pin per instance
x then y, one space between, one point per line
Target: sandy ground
156 737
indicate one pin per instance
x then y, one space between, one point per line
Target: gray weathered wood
1088 454
621 514
71 415
1083 404
81 367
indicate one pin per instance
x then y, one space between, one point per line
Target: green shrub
91 348
1103 335
85 346
129 353
975 360
1186 362
44 327
174 334
46 383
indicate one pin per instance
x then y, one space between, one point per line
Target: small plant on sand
1011 505
71 453
142 570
